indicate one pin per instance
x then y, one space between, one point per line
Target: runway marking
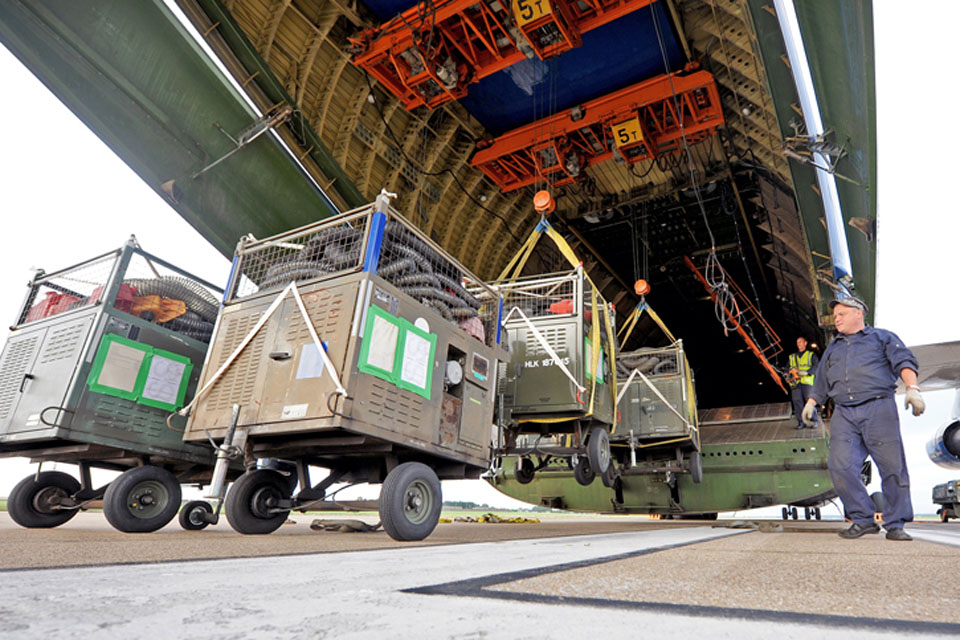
480 588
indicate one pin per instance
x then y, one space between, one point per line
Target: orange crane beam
430 53
748 312
641 122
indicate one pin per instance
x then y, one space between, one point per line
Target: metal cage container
98 357
667 413
554 313
408 334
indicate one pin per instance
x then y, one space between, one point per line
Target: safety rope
328 365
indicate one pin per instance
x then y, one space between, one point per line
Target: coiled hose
195 296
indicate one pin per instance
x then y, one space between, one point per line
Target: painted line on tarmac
480 588
951 539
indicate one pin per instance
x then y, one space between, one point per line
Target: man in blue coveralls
859 371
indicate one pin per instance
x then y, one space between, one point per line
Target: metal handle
280 355
26 376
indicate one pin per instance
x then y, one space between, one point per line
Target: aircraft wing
939 365
149 92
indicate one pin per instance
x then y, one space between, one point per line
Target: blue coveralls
860 373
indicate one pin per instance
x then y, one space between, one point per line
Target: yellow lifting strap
635 317
515 267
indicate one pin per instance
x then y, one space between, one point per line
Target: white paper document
121 367
416 360
163 380
383 344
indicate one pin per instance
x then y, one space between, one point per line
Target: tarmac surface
565 577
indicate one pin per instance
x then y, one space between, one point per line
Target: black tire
806 513
141 500
816 513
793 513
785 513
524 470
410 502
583 471
251 501
696 467
609 477
598 449
32 503
192 515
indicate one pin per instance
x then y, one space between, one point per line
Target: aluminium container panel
275 402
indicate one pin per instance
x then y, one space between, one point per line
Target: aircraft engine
944 447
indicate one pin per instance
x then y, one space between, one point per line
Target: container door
37 371
296 384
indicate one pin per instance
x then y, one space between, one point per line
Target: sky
65 197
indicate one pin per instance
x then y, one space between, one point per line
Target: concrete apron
422 592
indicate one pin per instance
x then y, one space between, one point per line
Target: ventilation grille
124 415
325 309
556 337
15 364
62 343
237 384
400 409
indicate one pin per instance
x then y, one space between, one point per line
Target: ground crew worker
802 365
859 371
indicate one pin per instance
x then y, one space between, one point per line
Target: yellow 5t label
627 132
526 11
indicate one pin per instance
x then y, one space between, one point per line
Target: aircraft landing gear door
33 375
475 430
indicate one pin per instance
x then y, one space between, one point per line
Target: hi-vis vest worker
803 364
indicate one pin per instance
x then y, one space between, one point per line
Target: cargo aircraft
722 152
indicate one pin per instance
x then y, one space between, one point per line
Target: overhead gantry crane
645 121
428 54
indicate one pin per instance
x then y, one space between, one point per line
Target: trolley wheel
193 515
816 513
609 477
793 513
598 449
410 501
524 470
806 513
33 502
785 513
696 467
252 501
142 499
583 471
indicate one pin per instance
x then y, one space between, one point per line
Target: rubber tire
806 513
816 513
524 470
194 507
785 513
20 501
243 514
402 484
793 513
118 513
696 467
609 477
583 471
598 449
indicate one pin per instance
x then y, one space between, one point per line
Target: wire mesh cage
320 250
405 257
552 295
76 287
168 297
651 362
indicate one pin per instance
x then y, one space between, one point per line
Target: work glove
915 400
809 414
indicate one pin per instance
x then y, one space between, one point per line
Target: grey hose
194 296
